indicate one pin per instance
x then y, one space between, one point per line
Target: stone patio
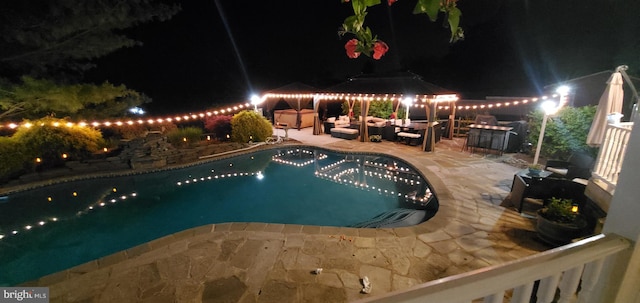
257 262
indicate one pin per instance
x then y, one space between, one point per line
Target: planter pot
558 234
375 138
534 172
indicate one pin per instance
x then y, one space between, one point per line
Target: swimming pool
48 229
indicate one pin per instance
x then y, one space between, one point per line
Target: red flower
390 2
379 49
351 48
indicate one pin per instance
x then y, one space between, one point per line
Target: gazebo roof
404 83
294 88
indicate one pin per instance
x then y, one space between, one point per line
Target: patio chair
520 194
537 192
579 165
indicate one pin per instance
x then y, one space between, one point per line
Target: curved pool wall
70 223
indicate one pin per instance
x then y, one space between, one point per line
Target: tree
42 38
565 133
34 98
365 42
14 160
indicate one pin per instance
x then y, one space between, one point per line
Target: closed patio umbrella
317 129
610 102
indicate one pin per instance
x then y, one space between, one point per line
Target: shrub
50 138
381 109
186 136
560 210
250 126
138 130
565 133
220 126
12 158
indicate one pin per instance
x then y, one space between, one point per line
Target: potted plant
535 170
559 222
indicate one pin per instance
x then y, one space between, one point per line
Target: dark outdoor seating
412 138
537 191
579 165
344 133
389 132
375 130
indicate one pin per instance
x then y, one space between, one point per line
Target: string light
238 107
500 104
418 101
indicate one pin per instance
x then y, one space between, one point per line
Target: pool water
48 229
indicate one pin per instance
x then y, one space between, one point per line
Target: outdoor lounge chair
344 133
414 138
579 165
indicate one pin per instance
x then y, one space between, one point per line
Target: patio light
549 107
563 90
255 100
407 101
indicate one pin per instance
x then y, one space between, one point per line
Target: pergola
398 87
297 95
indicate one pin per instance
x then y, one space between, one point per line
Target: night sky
215 52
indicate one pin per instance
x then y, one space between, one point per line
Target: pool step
399 217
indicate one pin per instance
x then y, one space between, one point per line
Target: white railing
611 155
561 268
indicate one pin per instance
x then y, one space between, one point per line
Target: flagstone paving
257 262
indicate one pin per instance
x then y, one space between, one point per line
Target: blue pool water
48 229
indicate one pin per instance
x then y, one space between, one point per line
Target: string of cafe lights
501 104
140 121
363 97
418 101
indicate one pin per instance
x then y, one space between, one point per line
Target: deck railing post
547 288
522 293
569 284
609 161
590 278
